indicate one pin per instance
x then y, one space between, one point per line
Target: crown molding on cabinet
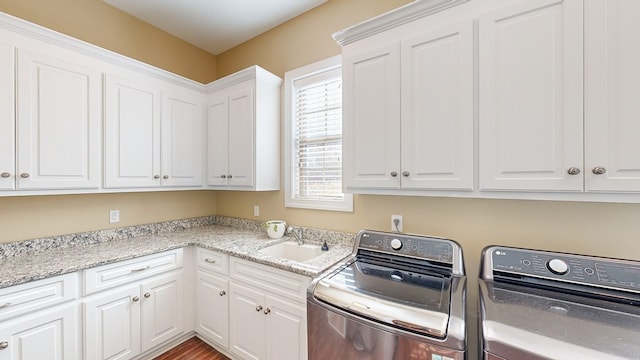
38 32
252 72
392 19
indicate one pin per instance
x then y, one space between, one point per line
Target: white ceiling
215 25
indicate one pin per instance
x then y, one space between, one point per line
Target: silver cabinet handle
25 175
147 295
223 293
394 173
141 269
4 345
135 299
573 171
165 177
5 305
405 173
156 176
599 170
267 311
258 308
5 175
210 261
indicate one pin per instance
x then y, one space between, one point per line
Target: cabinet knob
267 311
573 171
135 299
223 293
599 170
24 175
230 177
259 307
394 173
5 175
165 177
4 345
405 173
156 176
223 176
147 295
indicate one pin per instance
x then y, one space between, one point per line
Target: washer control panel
585 270
415 246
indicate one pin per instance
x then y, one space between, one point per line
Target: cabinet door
530 97
182 138
437 109
59 120
162 310
46 335
242 136
112 324
247 325
132 133
213 308
218 139
286 330
7 118
371 109
612 90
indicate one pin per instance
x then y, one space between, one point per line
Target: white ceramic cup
276 228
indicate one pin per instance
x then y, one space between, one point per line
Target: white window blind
317 142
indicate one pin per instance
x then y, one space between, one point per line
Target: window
313 137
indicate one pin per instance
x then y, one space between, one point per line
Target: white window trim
346 204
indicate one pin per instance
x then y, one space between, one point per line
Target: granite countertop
238 242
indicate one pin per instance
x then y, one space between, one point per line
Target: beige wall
93 21
96 22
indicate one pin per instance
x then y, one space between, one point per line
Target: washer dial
558 266
396 244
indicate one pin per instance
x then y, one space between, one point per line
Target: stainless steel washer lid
413 300
546 324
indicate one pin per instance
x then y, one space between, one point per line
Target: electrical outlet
256 210
396 223
114 216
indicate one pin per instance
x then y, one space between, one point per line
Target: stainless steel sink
292 251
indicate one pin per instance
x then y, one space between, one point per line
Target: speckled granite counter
37 259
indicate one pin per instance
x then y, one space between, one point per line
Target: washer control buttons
589 271
526 262
558 267
396 244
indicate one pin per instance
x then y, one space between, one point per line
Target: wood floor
192 349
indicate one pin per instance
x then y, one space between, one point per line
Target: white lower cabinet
212 302
267 309
131 319
50 334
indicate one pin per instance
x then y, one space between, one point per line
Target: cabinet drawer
107 276
279 282
36 295
213 261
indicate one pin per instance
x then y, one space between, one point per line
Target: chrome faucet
298 236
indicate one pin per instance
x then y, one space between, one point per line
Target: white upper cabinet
7 118
153 134
371 110
244 131
58 122
530 97
437 109
408 112
132 133
612 95
182 137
